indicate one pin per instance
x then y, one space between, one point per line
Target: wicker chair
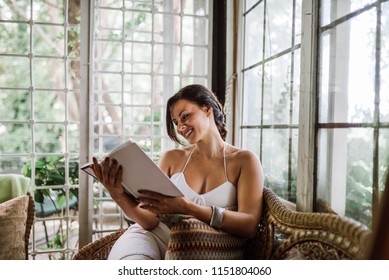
282 234
29 222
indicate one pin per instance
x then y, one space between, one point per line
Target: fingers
108 172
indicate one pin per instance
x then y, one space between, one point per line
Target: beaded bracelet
217 217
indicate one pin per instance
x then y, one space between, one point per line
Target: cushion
13 185
192 239
13 218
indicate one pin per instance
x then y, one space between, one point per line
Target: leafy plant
50 171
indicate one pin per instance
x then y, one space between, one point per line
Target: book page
139 171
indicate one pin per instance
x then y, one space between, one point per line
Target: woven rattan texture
282 234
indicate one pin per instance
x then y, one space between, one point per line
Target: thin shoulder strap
187 161
225 162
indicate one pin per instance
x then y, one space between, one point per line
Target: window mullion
307 117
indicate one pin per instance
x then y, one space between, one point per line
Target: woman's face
192 120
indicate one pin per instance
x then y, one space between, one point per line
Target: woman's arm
245 221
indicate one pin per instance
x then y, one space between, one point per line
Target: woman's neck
210 149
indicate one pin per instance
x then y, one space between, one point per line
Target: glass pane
277 89
49 11
15 105
166 60
15 37
15 10
15 137
275 151
251 140
141 53
12 164
383 157
198 7
253 41
172 22
52 43
113 51
199 26
194 61
114 81
384 75
132 4
345 165
334 9
16 74
49 73
297 22
110 23
74 138
138 26
296 88
347 71
53 141
278 35
252 96
250 3
51 106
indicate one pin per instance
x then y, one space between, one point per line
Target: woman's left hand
161 204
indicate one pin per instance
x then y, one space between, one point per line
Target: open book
139 171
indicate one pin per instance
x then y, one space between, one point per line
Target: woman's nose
181 127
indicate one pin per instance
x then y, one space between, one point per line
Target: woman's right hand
110 173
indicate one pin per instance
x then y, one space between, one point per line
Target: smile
186 135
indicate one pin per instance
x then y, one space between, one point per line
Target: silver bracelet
217 217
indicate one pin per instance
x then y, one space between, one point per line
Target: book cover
139 171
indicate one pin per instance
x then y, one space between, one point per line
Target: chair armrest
192 239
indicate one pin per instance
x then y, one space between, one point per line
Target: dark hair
201 96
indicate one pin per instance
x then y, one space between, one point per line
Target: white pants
137 243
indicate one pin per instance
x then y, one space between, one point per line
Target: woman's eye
185 117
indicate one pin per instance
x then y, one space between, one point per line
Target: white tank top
224 195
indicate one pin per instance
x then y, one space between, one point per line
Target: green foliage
50 171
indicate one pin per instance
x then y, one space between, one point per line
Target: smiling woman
222 184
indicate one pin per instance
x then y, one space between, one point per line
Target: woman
212 174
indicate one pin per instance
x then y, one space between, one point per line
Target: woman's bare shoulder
241 154
174 159
177 153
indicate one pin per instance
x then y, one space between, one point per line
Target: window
335 66
39 117
353 109
270 70
142 53
78 78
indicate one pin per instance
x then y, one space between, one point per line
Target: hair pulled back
201 96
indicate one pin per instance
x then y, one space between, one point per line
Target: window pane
49 73
277 90
278 35
333 9
275 161
49 11
251 140
347 71
17 67
15 137
253 41
383 157
384 75
345 164
252 96
15 37
15 105
52 43
50 106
